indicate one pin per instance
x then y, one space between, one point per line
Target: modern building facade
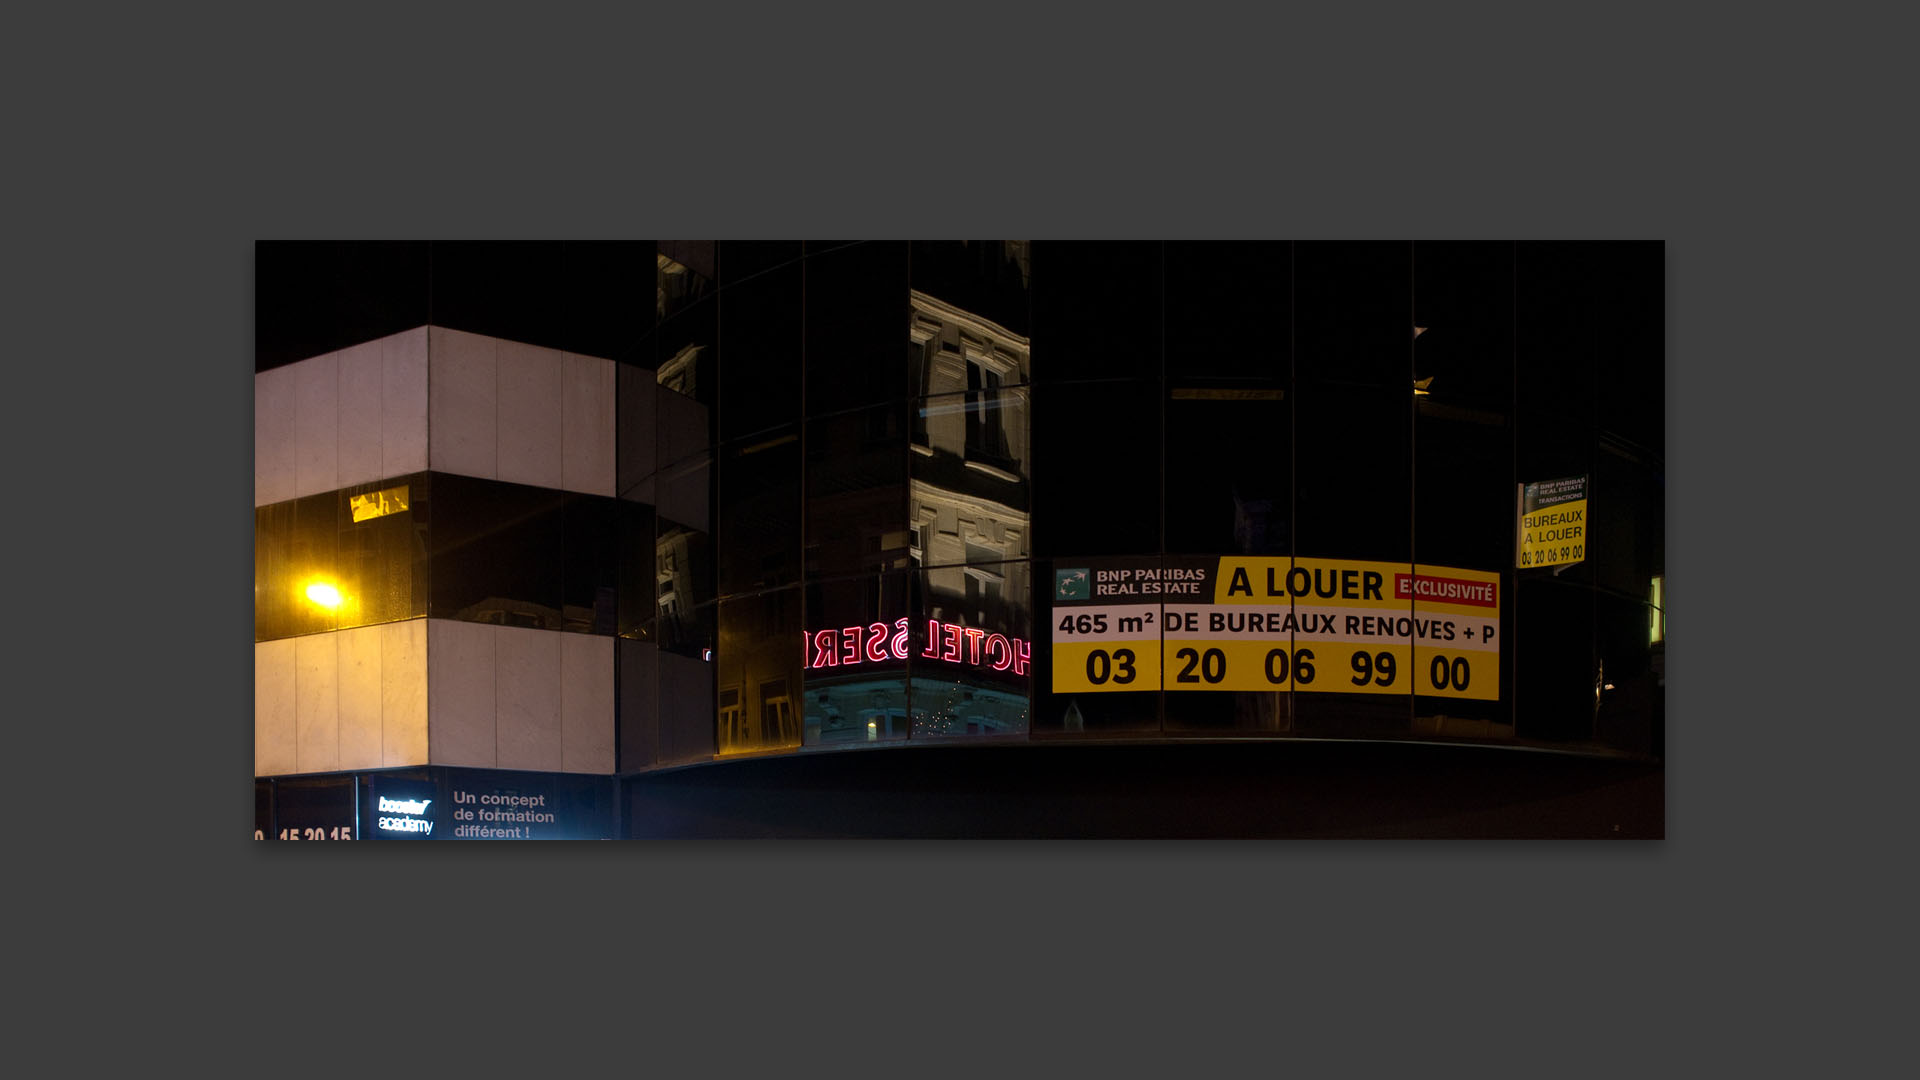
539 524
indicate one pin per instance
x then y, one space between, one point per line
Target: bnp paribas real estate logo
1071 585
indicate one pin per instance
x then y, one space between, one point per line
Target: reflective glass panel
759 664
857 647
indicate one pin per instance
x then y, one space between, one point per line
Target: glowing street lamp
323 594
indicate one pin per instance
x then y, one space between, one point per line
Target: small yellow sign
1552 526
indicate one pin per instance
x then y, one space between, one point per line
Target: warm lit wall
502 697
433 398
349 699
346 417
503 410
434 691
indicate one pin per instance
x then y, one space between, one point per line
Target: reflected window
885 723
986 432
758 653
733 730
777 724
675 286
683 589
671 598
680 372
955 352
986 588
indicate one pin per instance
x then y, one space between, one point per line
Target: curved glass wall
1163 413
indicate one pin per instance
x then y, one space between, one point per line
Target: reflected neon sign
947 642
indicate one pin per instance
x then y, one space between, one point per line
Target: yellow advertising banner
1266 624
1111 647
1456 614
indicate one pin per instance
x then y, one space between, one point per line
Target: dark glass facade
860 534
445 546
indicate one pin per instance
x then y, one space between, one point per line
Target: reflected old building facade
919 576
738 520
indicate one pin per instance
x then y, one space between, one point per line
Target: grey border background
157 146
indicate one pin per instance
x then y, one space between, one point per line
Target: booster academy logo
1070 585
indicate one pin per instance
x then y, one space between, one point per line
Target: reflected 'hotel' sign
947 642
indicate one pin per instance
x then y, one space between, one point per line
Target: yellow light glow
393 500
323 594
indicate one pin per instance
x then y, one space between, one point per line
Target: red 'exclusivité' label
1445 590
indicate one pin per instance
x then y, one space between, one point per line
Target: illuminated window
375 504
885 723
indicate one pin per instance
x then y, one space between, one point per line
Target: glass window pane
634 559
857 491
741 260
1354 389
683 589
273 571
854 295
1232 456
1631 707
589 570
1101 318
759 666
759 517
1556 313
857 648
1464 481
687 339
1631 292
497 553
761 326
1555 669
971 646
1097 468
1229 312
989 278
316 568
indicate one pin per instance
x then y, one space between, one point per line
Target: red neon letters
947 642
